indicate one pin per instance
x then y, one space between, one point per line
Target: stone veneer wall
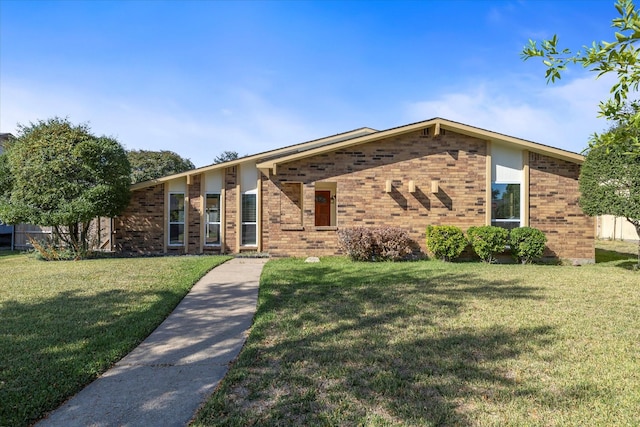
554 209
140 228
457 161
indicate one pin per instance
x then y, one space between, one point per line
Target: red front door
323 208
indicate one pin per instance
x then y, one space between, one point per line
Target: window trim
243 222
332 187
207 223
183 222
519 221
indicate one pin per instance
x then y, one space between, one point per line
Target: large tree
61 175
619 56
147 165
610 176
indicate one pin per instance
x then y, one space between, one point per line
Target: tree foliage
147 165
59 174
226 156
610 177
619 56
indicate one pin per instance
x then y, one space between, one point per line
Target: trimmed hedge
445 242
527 244
375 244
488 241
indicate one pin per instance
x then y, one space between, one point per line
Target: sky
203 77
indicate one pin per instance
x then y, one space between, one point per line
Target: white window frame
182 222
244 223
519 220
208 223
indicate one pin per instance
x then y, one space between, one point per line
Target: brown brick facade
554 209
194 215
448 176
458 162
231 216
140 228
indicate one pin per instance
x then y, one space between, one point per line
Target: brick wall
140 228
554 209
290 204
457 161
230 207
194 211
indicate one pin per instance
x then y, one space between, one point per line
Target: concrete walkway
167 377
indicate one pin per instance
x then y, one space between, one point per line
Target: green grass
64 323
434 344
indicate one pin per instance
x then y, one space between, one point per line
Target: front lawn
64 323
429 343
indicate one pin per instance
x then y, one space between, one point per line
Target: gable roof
269 160
264 156
435 126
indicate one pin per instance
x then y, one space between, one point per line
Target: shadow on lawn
340 347
619 258
8 252
53 347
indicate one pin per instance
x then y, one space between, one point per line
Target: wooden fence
615 228
100 235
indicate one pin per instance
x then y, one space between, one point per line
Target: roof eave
437 123
257 157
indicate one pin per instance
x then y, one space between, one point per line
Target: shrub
445 242
374 244
51 250
356 242
391 243
487 241
527 244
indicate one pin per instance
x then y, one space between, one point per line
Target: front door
323 208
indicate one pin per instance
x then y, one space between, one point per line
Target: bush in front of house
445 242
356 242
374 244
527 244
488 241
391 243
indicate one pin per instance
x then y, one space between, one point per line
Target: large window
212 221
249 219
176 219
505 205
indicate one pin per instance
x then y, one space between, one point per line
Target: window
176 219
505 205
212 219
249 220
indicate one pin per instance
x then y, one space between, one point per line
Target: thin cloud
255 125
563 116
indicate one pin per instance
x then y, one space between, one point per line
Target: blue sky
202 77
